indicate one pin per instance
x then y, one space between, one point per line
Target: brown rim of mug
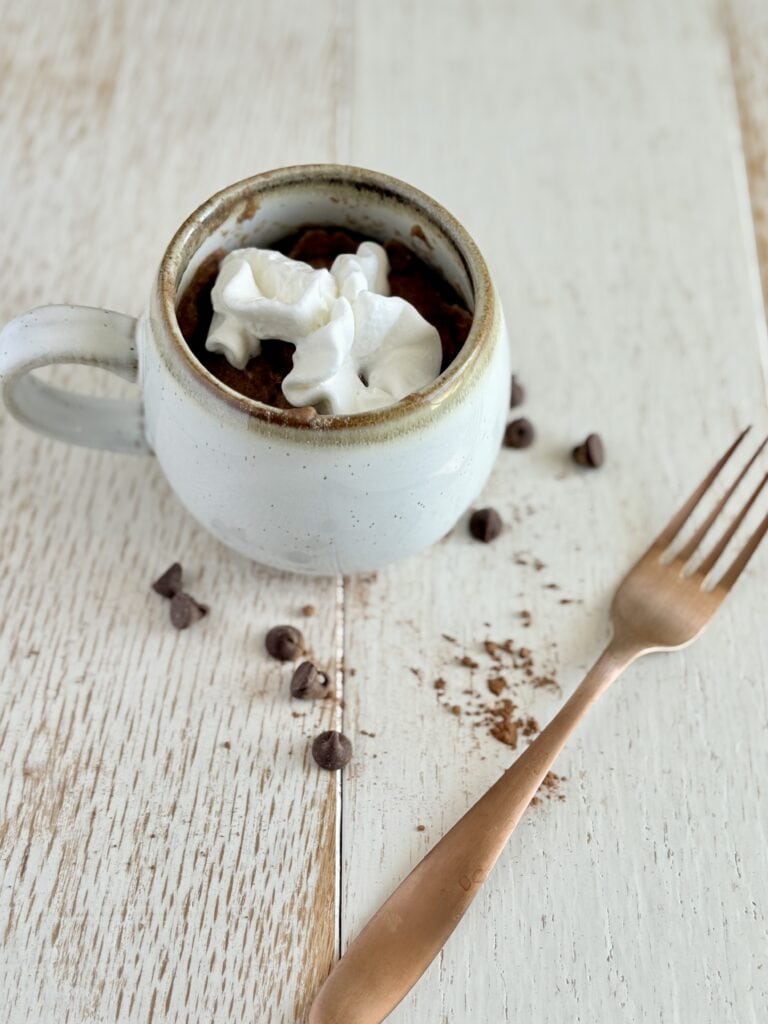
246 193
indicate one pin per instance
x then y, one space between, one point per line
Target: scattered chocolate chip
456 710
468 662
308 611
284 643
185 610
331 750
516 393
497 684
421 828
590 453
485 524
169 584
309 683
439 684
519 433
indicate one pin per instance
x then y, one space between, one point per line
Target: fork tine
709 562
693 544
740 562
677 522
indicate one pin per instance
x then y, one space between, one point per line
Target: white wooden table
168 850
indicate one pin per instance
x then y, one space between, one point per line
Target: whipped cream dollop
356 346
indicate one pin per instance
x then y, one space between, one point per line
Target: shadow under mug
326 495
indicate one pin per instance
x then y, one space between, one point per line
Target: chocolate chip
516 393
284 643
331 750
519 433
308 611
185 610
590 453
485 524
308 682
169 584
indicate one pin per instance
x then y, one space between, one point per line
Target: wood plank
168 851
593 150
747 29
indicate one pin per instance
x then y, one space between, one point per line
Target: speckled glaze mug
323 495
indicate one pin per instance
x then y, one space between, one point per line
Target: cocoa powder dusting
503 725
549 789
512 672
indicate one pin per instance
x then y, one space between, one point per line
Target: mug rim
242 194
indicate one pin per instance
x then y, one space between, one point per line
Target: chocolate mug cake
261 379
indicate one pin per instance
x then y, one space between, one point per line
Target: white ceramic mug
326 495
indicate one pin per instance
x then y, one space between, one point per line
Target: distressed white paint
168 850
593 150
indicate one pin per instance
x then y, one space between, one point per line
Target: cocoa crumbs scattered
492 648
546 682
503 725
512 674
421 828
549 789
530 726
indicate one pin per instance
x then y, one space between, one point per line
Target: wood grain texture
167 849
746 23
593 150
167 853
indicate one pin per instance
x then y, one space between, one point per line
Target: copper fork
663 603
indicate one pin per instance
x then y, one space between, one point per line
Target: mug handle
72 334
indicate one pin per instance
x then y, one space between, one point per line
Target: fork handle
405 935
